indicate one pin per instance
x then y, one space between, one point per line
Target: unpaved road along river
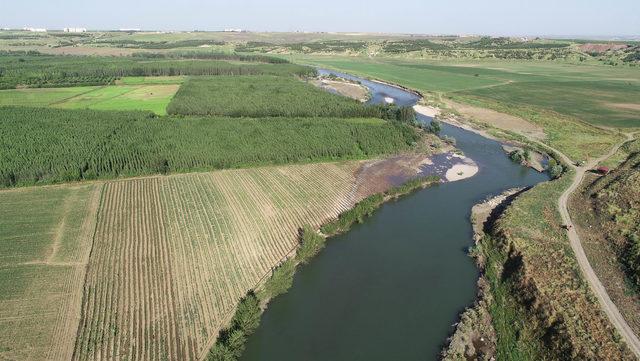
392 287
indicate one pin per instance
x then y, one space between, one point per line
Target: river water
392 287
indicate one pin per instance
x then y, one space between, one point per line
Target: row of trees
56 145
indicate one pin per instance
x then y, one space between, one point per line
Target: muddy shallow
392 287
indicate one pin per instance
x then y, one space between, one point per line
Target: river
392 287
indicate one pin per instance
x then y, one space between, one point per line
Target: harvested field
45 238
173 255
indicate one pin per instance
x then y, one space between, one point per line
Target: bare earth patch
498 120
348 89
624 106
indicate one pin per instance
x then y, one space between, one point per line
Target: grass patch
40 97
611 103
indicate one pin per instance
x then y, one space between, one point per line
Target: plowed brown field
173 255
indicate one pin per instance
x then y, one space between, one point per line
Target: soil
498 120
601 48
624 106
344 88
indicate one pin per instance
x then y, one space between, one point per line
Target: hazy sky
494 17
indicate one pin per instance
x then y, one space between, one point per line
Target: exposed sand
467 169
426 110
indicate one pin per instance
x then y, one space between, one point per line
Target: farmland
43 71
45 238
567 102
162 280
134 259
261 96
152 97
55 145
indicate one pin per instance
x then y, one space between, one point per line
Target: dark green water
392 287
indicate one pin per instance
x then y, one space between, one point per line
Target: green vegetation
262 96
611 103
542 276
516 340
54 145
41 71
231 341
40 97
153 98
311 242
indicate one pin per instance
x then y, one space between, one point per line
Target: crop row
173 255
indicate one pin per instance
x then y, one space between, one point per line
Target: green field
57 145
594 94
40 97
260 96
153 98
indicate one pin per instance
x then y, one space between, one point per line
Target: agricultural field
160 281
154 98
173 255
45 239
58 145
568 102
41 97
261 96
35 70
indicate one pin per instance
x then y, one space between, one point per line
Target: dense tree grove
53 145
273 96
59 71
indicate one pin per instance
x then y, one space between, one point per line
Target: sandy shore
426 110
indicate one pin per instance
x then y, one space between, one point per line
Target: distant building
231 30
132 30
75 30
35 30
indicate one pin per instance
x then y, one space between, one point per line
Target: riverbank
417 240
230 343
475 337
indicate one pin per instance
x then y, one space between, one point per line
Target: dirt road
596 286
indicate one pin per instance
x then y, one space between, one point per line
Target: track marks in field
173 255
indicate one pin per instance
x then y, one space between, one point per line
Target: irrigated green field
154 98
